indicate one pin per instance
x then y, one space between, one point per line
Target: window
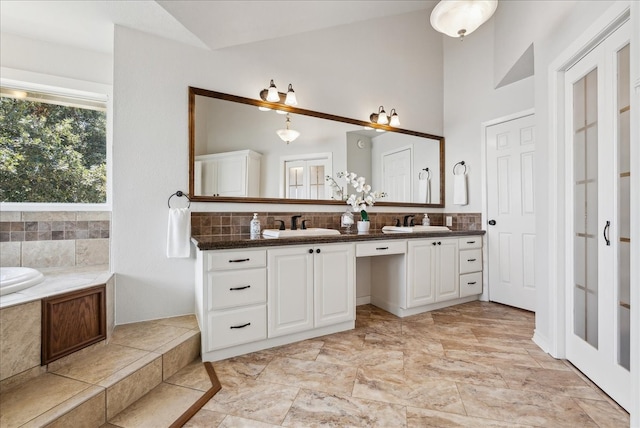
53 148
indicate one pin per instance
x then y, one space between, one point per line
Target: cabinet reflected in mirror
237 156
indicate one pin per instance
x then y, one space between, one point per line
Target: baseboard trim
541 341
363 300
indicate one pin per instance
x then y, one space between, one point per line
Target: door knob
492 222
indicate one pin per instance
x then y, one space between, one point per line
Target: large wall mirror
235 155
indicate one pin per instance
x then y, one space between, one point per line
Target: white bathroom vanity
277 291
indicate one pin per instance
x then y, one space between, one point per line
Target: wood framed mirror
235 155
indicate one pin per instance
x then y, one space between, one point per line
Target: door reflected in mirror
237 155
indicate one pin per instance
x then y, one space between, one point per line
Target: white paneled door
511 212
397 173
597 125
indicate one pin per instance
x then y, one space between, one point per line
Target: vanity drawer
233 288
470 261
237 326
470 284
470 242
381 248
226 260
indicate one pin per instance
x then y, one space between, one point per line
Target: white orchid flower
364 196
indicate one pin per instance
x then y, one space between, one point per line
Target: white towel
424 190
179 233
460 189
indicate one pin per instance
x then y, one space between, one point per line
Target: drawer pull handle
471 242
382 248
471 260
239 288
471 283
239 260
241 326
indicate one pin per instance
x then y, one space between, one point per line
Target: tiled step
166 403
96 384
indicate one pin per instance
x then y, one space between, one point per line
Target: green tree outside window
51 153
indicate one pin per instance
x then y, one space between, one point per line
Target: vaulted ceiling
207 24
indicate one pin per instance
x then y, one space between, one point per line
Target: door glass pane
296 183
316 182
585 179
624 213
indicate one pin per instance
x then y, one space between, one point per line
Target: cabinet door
334 281
290 290
207 178
421 272
448 278
232 176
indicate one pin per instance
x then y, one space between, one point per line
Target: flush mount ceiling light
381 117
459 18
272 95
288 135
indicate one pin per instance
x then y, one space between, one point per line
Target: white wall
53 59
470 100
348 71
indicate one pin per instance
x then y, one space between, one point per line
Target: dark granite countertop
225 242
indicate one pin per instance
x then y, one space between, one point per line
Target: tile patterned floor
471 365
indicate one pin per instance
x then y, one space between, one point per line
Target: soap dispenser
255 226
425 220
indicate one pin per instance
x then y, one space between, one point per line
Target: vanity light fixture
381 117
459 18
271 94
288 135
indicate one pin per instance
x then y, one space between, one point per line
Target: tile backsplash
231 223
46 239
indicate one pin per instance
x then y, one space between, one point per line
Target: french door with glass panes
305 179
597 91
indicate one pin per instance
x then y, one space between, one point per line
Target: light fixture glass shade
264 109
382 116
288 135
459 18
272 93
291 99
395 120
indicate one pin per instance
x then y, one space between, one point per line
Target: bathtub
13 279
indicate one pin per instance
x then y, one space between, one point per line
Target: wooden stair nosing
195 407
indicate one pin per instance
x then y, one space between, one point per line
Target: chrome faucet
294 221
406 222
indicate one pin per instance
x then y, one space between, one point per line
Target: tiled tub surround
21 314
234 223
54 238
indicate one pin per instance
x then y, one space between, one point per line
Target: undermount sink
288 233
414 229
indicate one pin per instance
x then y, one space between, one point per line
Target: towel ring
420 175
179 194
460 163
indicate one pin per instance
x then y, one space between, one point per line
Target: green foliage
51 153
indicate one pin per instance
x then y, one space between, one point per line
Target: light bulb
272 93
395 120
382 116
291 99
